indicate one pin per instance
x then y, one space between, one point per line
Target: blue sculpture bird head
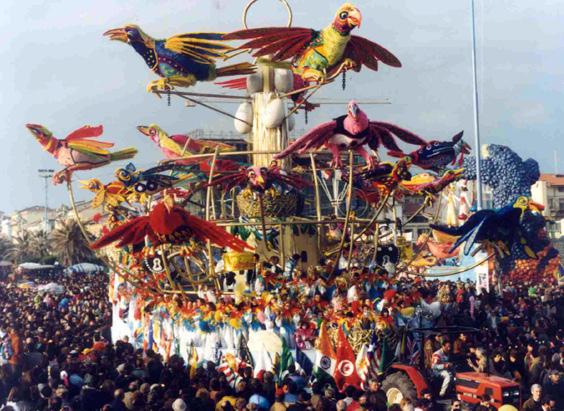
138 39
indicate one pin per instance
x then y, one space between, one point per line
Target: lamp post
46 174
477 145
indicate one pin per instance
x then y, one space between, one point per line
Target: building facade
549 191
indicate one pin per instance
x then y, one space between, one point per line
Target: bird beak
353 111
260 181
536 207
34 128
355 18
143 130
117 34
466 149
85 184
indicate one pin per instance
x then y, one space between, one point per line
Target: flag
193 362
325 357
362 363
244 352
345 372
286 360
373 357
386 356
230 368
304 362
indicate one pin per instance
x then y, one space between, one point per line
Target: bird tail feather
124 154
236 70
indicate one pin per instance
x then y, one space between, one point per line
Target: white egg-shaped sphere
275 113
254 83
244 115
283 80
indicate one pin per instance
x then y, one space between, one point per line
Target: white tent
85 268
51 288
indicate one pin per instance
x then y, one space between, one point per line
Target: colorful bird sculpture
181 60
318 55
180 145
150 180
112 194
436 155
259 179
169 224
79 150
351 131
499 228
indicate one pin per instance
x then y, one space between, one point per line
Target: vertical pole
46 221
46 174
477 145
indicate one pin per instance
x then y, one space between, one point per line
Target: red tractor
407 381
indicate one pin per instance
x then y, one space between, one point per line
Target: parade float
203 246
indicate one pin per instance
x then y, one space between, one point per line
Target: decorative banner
482 274
235 261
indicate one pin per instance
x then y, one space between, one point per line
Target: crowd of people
56 351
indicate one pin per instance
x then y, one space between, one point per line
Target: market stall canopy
35 266
51 288
85 268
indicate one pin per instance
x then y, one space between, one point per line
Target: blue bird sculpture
496 227
181 60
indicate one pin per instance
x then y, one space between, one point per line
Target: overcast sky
58 70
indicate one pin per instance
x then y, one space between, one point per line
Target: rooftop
553 179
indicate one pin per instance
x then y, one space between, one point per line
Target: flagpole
477 145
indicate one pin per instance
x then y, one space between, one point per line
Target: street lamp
46 174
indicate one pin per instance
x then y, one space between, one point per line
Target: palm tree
6 247
41 243
69 245
23 249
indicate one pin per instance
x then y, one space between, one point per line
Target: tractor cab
411 381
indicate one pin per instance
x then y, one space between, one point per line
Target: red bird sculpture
351 131
169 224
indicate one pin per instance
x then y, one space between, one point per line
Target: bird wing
315 138
85 132
179 139
228 181
368 53
88 147
469 225
290 179
201 47
401 133
205 230
282 42
81 140
132 232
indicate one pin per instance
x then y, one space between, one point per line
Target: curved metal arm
252 2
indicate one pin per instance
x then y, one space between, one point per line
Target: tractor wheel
398 386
